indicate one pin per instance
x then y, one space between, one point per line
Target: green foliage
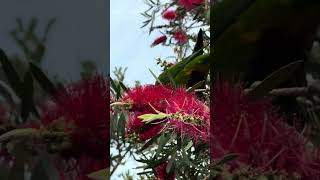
190 70
23 88
100 175
42 79
10 72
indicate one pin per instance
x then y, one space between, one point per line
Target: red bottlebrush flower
160 172
190 4
257 134
198 1
193 115
181 37
159 40
187 115
186 4
170 15
142 97
83 106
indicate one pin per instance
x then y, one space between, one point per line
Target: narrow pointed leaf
102 174
10 72
43 80
147 118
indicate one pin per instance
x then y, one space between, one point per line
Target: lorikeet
264 37
260 36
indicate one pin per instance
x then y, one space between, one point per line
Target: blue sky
130 45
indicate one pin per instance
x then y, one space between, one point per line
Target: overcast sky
130 45
81 32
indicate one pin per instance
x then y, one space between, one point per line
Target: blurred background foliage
24 86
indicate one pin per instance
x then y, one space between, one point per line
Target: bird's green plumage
236 46
252 35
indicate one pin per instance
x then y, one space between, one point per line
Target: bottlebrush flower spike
181 37
142 97
186 4
143 100
84 106
189 4
170 15
159 40
156 108
258 134
190 116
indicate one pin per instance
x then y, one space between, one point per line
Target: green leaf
164 138
188 146
123 86
154 162
121 126
27 97
170 165
42 79
143 161
275 79
10 72
207 16
102 174
199 43
18 134
187 160
32 25
157 79
226 159
113 84
9 94
147 118
116 87
49 25
150 142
